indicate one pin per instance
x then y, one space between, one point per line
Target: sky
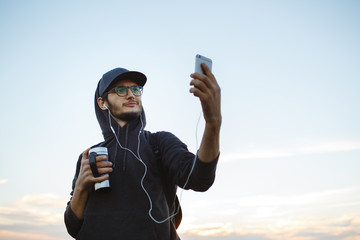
289 76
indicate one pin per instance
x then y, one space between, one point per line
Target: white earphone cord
145 171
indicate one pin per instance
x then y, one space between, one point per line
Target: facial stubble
124 116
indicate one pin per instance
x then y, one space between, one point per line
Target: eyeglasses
123 91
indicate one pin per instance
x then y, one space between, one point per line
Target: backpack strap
173 204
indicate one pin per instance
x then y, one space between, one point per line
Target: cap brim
138 77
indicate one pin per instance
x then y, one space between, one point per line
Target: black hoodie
122 212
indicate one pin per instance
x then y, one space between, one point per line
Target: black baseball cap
119 74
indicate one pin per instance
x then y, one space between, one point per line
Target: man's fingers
101 178
101 170
200 77
201 85
100 158
103 164
204 81
85 154
197 92
206 69
92 179
105 170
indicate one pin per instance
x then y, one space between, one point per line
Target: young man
144 168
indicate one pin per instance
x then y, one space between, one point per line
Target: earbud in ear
106 106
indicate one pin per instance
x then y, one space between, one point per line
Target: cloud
209 229
320 215
332 214
43 200
333 197
341 228
188 236
36 216
13 235
37 209
295 148
3 181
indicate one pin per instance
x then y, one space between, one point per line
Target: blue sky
290 140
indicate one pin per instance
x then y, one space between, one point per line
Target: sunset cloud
43 200
309 228
319 215
329 214
14 235
36 216
2 181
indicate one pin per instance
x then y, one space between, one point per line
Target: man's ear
101 104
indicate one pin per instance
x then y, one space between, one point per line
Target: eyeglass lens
122 91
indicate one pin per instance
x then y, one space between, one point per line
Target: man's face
124 108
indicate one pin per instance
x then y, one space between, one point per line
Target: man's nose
130 94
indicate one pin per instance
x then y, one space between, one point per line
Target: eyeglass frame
127 90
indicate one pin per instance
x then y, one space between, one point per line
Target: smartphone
200 59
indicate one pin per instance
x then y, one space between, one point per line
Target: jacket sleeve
72 223
179 163
203 174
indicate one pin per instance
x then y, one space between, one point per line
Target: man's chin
128 116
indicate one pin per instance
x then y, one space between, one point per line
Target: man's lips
130 104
